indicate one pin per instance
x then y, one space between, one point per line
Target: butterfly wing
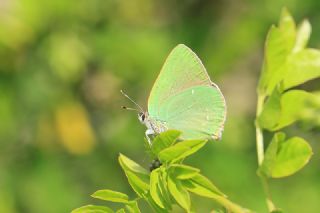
184 98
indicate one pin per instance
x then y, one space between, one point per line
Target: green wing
184 98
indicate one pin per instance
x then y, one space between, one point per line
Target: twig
260 154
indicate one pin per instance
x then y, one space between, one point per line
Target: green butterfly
184 98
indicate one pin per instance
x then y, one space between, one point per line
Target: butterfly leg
148 133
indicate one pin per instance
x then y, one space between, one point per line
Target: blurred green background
62 64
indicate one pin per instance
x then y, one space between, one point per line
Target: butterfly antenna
128 108
140 108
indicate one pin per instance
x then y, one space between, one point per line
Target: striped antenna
139 107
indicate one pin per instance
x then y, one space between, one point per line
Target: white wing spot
208 117
192 92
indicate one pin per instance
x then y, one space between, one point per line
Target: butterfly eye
141 116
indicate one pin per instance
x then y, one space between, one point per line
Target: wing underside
198 112
184 97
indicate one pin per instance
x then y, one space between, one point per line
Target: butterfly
184 98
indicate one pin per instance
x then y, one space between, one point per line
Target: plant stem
260 154
259 134
230 206
265 186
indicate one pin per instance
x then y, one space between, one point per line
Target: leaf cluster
288 63
170 184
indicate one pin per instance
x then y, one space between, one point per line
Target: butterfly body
153 127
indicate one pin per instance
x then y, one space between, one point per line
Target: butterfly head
142 117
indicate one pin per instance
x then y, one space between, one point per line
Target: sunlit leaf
292 155
279 44
172 153
205 191
164 140
133 207
301 67
181 150
286 59
217 211
276 53
179 193
137 176
198 189
154 206
110 195
277 211
270 154
93 209
120 211
163 184
181 171
287 27
270 114
285 157
292 103
203 183
137 184
281 111
128 164
303 36
154 188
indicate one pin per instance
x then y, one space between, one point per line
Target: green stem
259 133
271 206
230 206
260 154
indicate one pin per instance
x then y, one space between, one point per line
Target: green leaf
217 211
201 184
277 211
279 44
287 27
128 164
303 36
205 191
276 53
155 188
92 209
148 148
137 176
163 184
120 211
270 154
133 207
181 150
172 153
270 114
164 140
138 185
181 171
285 157
198 189
281 111
154 206
292 103
301 67
292 155
179 193
110 195
286 59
